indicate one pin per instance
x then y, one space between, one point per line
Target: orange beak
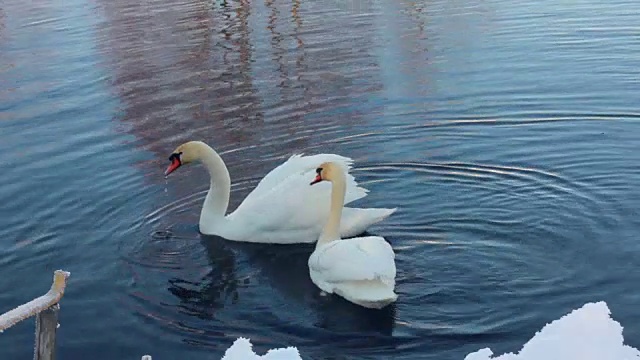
175 163
316 180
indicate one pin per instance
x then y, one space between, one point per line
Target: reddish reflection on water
268 77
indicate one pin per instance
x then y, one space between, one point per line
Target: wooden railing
45 308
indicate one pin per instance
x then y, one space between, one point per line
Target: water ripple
504 131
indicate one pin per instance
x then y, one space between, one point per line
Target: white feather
285 208
362 270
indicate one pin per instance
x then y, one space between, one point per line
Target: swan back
362 270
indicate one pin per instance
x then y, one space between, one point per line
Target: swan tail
367 293
355 221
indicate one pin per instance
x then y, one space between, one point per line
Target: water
505 131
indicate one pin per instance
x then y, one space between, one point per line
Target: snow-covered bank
242 350
588 333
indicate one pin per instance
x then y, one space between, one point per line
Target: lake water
507 133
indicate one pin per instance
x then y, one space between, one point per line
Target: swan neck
217 199
331 230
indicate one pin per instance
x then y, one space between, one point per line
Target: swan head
182 155
327 171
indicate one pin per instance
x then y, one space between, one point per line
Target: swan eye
318 171
175 156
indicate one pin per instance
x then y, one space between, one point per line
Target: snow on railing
45 308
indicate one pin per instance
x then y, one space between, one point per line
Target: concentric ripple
204 289
506 133
458 229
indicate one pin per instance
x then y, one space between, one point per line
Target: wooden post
46 326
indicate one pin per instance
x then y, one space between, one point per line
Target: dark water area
506 132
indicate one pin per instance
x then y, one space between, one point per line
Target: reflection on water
285 270
505 132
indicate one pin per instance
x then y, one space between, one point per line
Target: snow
588 333
38 304
242 350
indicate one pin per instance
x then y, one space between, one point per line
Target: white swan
361 270
283 208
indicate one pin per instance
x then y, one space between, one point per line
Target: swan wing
298 165
285 201
356 259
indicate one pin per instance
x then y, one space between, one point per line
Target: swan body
282 208
362 270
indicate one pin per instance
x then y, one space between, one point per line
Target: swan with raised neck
277 210
217 200
361 269
334 174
